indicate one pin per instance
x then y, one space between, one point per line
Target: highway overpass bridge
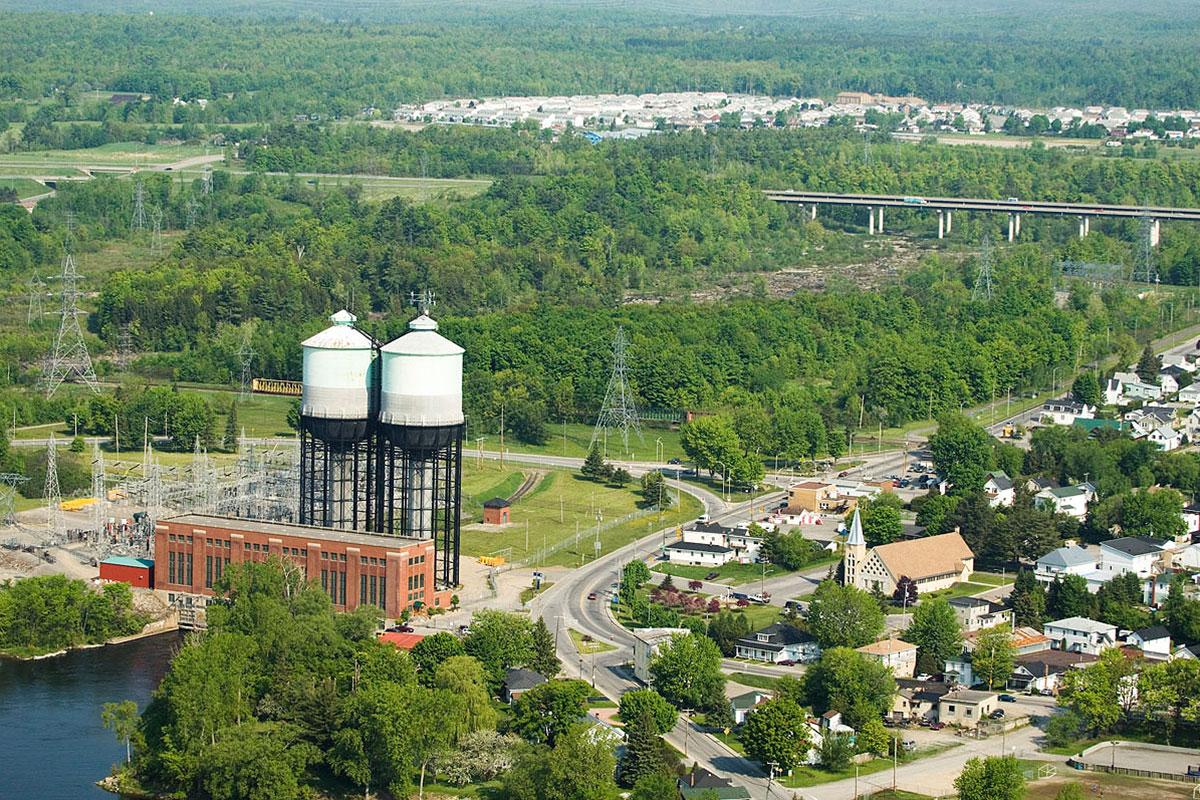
946 206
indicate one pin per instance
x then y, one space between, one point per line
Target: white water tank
337 372
421 378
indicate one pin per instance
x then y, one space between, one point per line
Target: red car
787 662
936 726
591 595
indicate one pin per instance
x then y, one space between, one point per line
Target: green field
574 439
813 776
24 187
17 171
561 507
764 682
117 154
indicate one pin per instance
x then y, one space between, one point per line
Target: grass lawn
731 573
12 171
589 647
899 794
24 187
959 590
764 682
127 154
573 440
812 776
561 508
423 190
991 578
529 593
730 741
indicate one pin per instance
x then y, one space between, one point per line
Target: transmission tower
9 481
1144 270
139 208
868 156
619 410
983 277
192 210
206 181
37 295
156 243
69 358
124 346
246 356
56 523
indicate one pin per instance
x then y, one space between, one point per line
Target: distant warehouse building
137 572
394 573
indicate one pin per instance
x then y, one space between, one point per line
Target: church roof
925 558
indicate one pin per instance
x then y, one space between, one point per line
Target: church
933 562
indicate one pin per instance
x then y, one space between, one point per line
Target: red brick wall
138 577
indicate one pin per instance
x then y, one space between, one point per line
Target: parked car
1007 698
997 714
909 744
905 483
843 474
787 662
712 576
936 726
674 462
591 595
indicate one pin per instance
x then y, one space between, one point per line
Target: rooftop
1067 557
401 641
921 558
496 502
129 561
291 529
520 679
1152 633
887 647
1082 624
699 547
968 696
1133 545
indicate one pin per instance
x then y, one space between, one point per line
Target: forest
342 58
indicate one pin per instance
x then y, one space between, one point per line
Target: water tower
338 485
420 441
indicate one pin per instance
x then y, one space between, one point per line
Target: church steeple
855 551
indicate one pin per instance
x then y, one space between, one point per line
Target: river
52 745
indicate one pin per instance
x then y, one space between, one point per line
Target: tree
711 442
776 732
874 738
1157 514
935 632
789 550
1071 791
687 671
644 751
122 719
905 593
1119 602
962 453
638 701
580 766
881 519
843 616
544 659
1168 691
1086 389
500 641
1100 692
845 680
429 653
975 518
348 758
1148 365
1068 596
256 761
993 657
655 490
726 628
464 677
621 477
594 466
1028 600
1179 614
546 711
480 756
836 751
231 427
655 786
991 778
935 511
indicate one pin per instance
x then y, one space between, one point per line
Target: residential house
958 669
1064 411
1068 560
743 704
1153 642
1165 438
1133 388
1140 555
1187 557
1191 517
828 724
975 613
702 783
779 642
1172 377
1039 483
896 654
646 642
1190 394
999 489
816 496
1070 500
917 700
1187 651
966 707
1081 635
933 563
698 554
1112 392
1042 671
1092 426
517 681
711 544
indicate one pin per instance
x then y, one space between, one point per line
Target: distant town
630 115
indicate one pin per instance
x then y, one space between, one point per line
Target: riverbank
157 627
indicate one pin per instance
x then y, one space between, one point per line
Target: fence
1137 773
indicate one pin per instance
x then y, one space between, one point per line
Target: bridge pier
870 220
1155 233
941 224
1010 227
881 219
813 215
949 220
1018 224
1084 226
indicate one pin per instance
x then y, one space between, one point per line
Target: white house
1043 671
975 613
646 642
743 704
699 554
1187 557
779 642
1070 500
1137 554
1165 438
896 654
999 489
1070 560
707 544
1064 411
1081 635
1190 394
1154 641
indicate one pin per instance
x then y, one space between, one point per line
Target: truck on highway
916 201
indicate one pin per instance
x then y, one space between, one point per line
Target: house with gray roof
779 642
1070 500
1070 560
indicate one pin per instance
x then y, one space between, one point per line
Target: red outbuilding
137 572
496 511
